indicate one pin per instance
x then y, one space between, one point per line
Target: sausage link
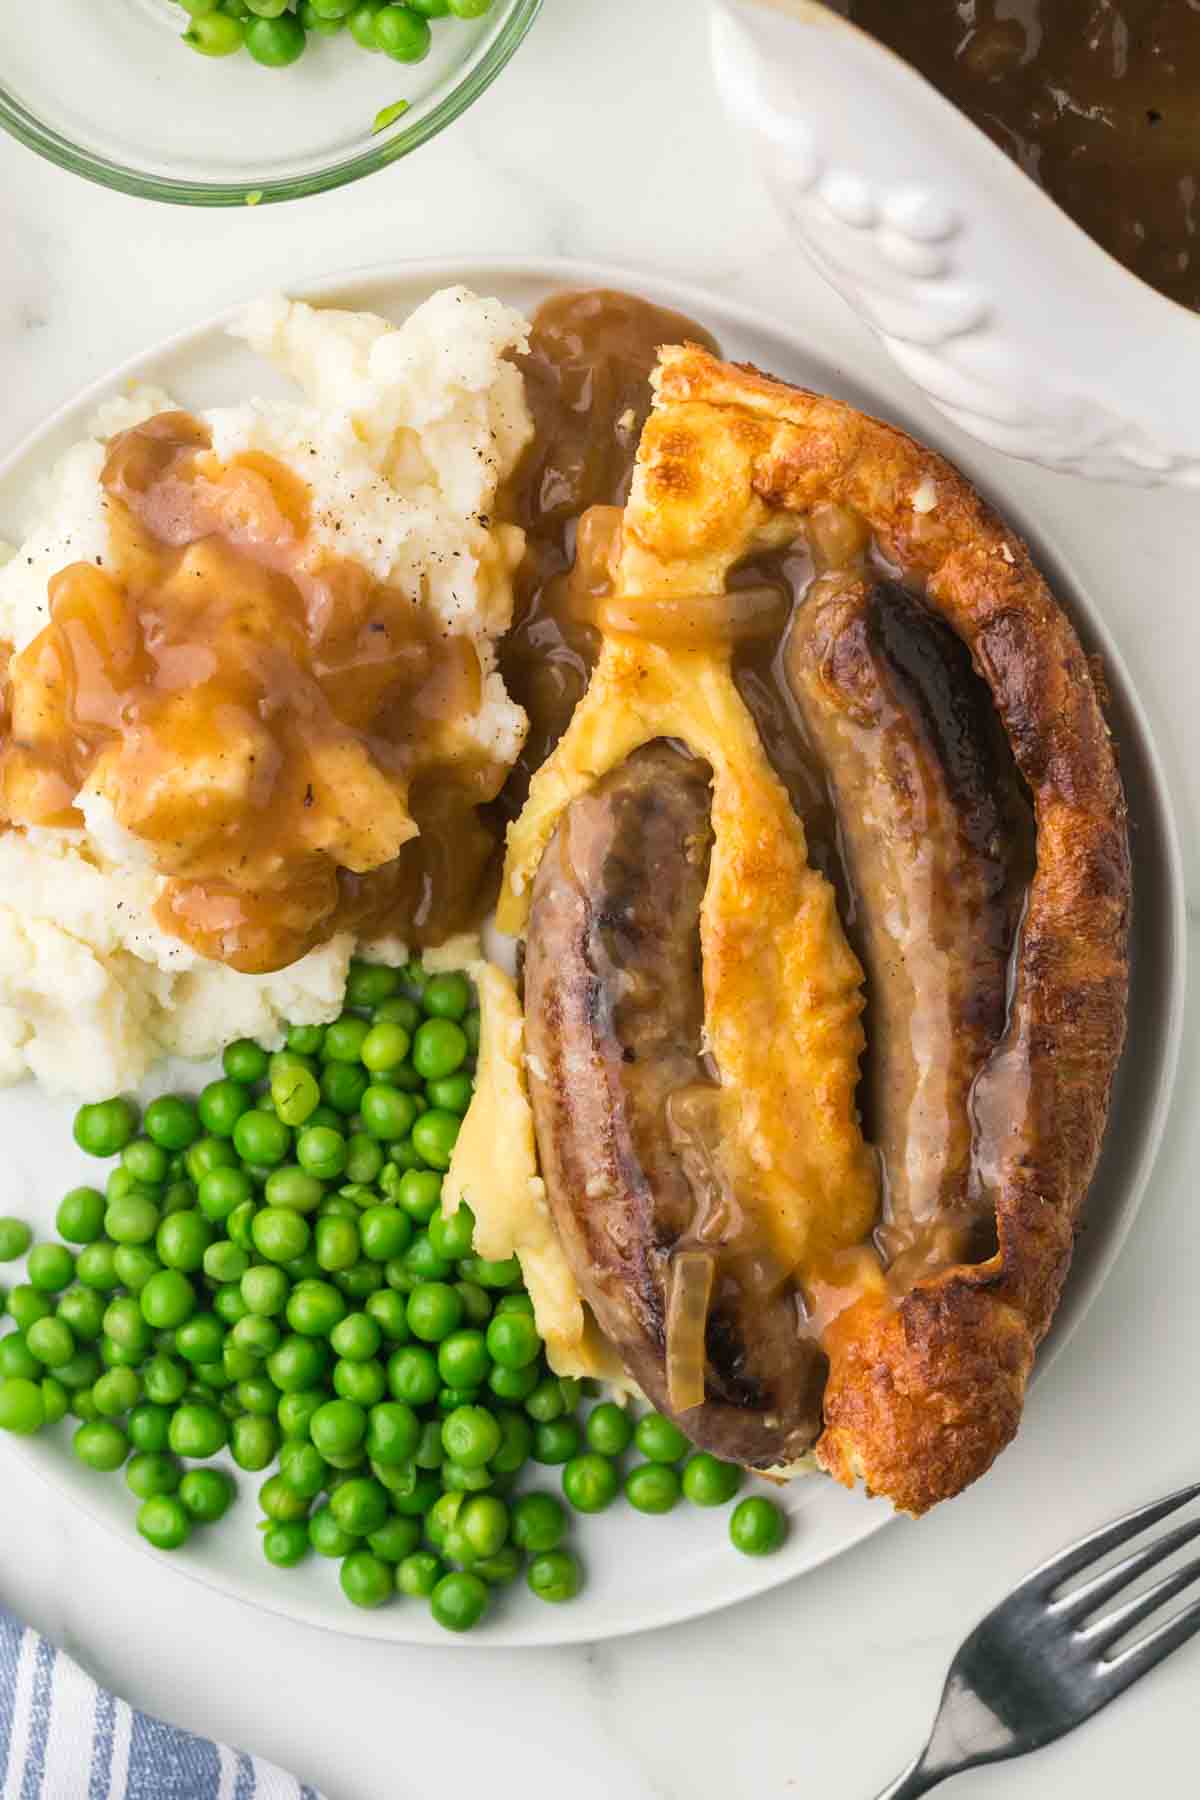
621 1095
936 854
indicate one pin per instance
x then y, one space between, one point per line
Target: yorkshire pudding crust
923 1394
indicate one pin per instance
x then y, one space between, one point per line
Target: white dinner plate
641 1572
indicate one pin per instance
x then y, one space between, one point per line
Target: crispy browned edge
923 1395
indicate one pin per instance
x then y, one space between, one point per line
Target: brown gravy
1097 100
262 717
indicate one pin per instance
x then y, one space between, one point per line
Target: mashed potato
402 436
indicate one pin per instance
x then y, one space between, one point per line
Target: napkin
62 1737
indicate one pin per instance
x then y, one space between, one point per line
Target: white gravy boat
1018 326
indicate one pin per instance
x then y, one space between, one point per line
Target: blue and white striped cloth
64 1738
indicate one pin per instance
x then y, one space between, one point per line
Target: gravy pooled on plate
1097 100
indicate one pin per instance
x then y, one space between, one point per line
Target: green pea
362 29
206 1495
439 1048
395 1539
756 1526
434 1311
337 1244
116 1392
164 1520
545 1404
299 1363
146 1161
220 1191
96 1267
80 1216
554 1576
245 1062
366 1579
101 1445
412 1374
652 1487
15 1239
200 1338
149 1425
149 1474
253 1442
356 1337
55 1399
418 1574
385 1046
387 1114
206 1154
326 1536
297 1410
709 1482
167 1299
419 1193
280 1234
384 1232
293 1187
477 1308
481 1529
81 1310
491 1274
321 1151
315 1307
430 9
105 1128
125 1325
22 1405
198 1431
285 1543
360 1505
221 1105
265 1289
557 1442
516 1442
133 1219
164 1380
451 1094
447 996
463 1359
659 1439
590 1482
360 1281
390 1312
338 1427
214 34
513 1341
261 1139
434 1136
609 1429
393 1433
459 1601
28 1304
470 1436
423 1261
515 1384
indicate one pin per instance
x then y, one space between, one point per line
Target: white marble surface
604 141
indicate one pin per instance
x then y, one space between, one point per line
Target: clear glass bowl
104 88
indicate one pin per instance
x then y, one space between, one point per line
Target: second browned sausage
936 851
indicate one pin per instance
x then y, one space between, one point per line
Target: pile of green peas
276 32
268 1273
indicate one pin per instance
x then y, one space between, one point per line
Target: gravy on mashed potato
274 724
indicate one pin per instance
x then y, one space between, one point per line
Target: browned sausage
614 1016
936 853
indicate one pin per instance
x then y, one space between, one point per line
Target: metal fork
1043 1662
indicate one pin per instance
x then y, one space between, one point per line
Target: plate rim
693 299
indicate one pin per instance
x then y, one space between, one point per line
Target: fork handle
916 1780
